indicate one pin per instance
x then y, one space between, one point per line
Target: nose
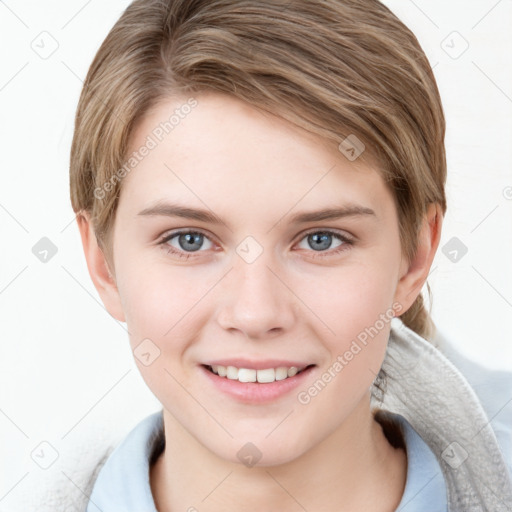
256 300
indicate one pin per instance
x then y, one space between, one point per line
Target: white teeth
232 373
251 375
292 371
268 375
246 375
281 373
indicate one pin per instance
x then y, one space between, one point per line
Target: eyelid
334 231
348 240
168 235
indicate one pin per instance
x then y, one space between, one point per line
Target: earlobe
413 277
99 271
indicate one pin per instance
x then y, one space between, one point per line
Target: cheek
156 300
351 299
357 309
165 311
354 306
159 313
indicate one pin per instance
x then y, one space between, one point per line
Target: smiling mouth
264 376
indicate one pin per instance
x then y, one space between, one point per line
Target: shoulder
103 468
123 480
493 389
459 408
68 482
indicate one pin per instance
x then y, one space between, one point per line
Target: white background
67 375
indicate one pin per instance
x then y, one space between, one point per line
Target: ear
98 268
414 275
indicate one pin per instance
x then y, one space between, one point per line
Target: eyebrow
176 210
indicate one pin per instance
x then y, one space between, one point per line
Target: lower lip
256 392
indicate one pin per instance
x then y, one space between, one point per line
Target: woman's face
261 277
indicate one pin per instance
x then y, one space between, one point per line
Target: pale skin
255 171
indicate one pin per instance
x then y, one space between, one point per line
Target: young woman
259 188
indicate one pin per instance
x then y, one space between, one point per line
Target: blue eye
321 240
187 241
190 242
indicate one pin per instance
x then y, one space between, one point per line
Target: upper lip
257 364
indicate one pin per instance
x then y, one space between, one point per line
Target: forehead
226 147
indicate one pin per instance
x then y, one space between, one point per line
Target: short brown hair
333 67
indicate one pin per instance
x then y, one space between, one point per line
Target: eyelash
347 243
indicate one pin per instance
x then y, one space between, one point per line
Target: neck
355 468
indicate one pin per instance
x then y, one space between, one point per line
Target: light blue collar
123 483
425 488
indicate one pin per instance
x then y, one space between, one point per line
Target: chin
261 451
